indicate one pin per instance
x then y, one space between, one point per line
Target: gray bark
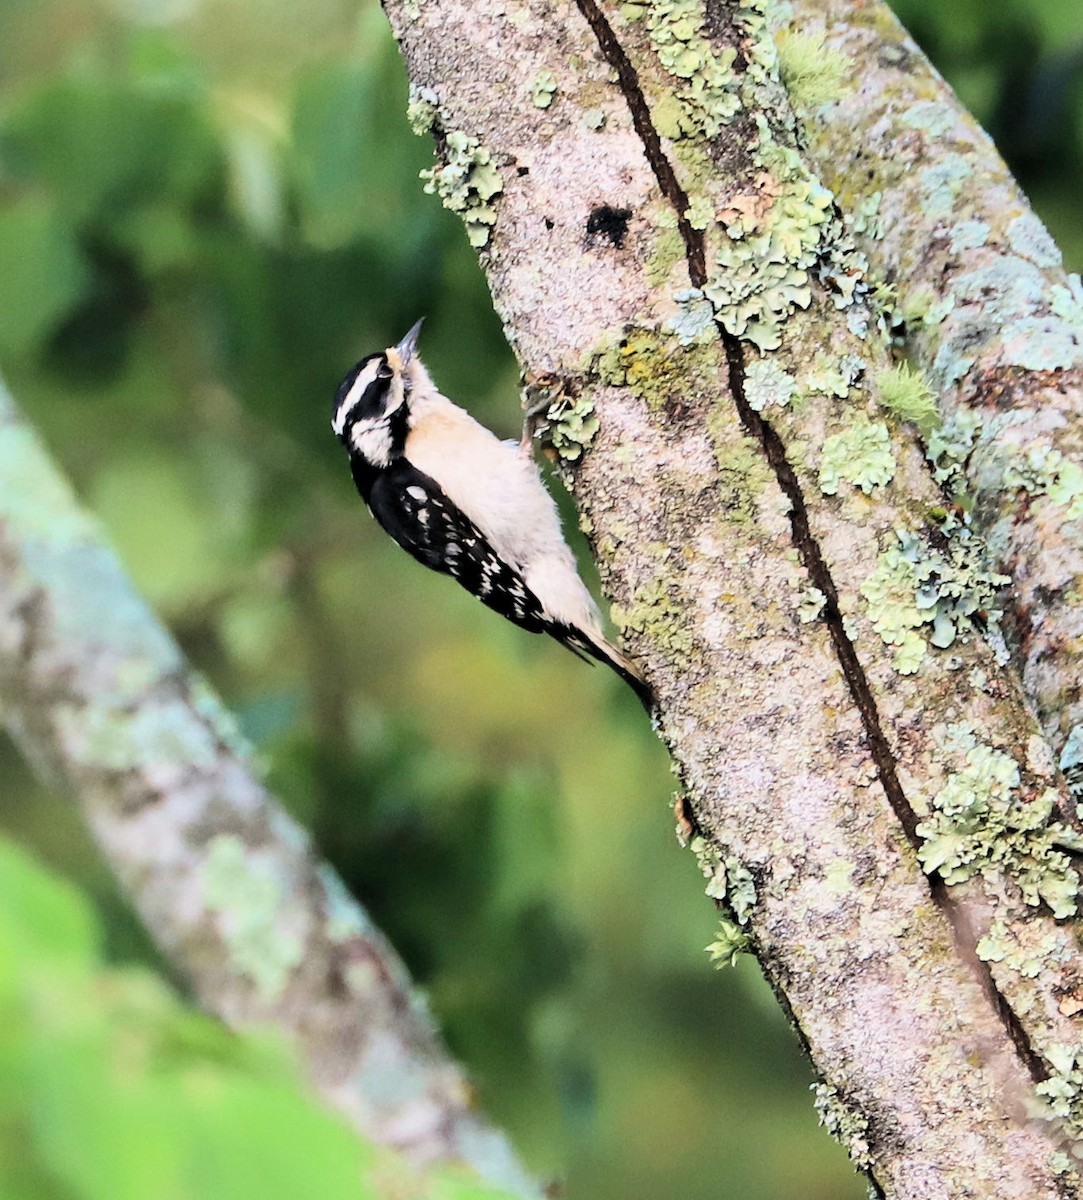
811 614
994 320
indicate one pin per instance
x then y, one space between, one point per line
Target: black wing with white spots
414 510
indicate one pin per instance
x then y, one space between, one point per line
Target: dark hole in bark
608 222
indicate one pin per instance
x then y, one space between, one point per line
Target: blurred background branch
97 695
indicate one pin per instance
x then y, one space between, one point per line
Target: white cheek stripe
372 440
353 395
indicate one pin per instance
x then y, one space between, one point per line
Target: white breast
500 490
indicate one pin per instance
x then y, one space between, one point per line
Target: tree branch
808 611
99 698
991 317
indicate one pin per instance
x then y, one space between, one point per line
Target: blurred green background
208 210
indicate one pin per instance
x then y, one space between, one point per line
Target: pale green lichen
1060 1163
861 454
251 901
1063 1090
838 876
941 184
743 470
932 117
923 308
667 252
706 98
732 887
857 320
1006 301
982 821
811 72
700 212
762 266
949 448
740 890
642 361
775 237
655 613
767 385
904 392
1029 238
863 216
1001 945
695 320
731 941
573 425
760 78
1042 470
920 595
569 418
543 89
832 377
1067 302
423 110
810 605
844 1123
466 182
594 118
970 234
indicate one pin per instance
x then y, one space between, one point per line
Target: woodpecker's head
370 415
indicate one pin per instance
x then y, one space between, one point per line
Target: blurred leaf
165 526
100 145
110 1089
331 111
254 156
40 918
526 850
43 274
159 236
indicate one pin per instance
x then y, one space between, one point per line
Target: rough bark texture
98 696
992 317
809 611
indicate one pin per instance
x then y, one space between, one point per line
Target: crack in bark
804 541
613 52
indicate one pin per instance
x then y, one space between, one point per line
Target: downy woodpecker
465 503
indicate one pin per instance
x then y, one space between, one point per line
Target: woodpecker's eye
384 372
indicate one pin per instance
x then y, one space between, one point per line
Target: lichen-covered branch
99 697
990 314
868 792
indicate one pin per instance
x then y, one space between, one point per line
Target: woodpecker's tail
586 642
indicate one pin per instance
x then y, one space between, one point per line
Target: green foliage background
208 210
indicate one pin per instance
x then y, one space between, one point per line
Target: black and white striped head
371 396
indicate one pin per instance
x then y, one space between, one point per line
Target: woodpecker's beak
408 344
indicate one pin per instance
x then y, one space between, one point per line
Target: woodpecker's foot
534 416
